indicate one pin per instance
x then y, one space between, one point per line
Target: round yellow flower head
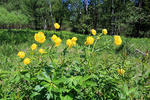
40 37
21 54
33 46
89 40
42 51
74 39
117 40
26 61
54 37
93 31
121 71
104 31
57 42
69 43
57 26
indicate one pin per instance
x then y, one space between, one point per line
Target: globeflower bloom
26 61
74 39
40 37
21 54
89 40
57 41
57 26
54 37
104 31
93 31
42 51
117 40
69 43
121 71
33 46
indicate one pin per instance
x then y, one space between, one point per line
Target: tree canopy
125 17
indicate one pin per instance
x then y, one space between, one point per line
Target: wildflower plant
56 68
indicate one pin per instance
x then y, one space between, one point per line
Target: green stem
50 51
89 63
96 42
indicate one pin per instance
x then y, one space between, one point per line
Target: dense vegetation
73 73
125 17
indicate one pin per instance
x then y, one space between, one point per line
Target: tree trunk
112 19
86 8
50 7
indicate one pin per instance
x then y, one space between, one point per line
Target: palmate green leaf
45 84
62 90
17 79
90 83
60 80
4 74
38 88
44 76
34 94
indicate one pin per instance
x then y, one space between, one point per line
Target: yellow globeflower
89 40
118 40
21 54
93 31
54 37
69 43
42 51
121 71
33 46
104 31
57 26
40 37
26 61
57 42
74 39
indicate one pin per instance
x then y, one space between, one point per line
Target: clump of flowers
89 40
121 71
104 31
93 31
40 37
57 26
71 42
118 40
21 54
33 46
26 61
56 40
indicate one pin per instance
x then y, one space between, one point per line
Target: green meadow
78 73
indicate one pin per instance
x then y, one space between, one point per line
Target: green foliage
12 18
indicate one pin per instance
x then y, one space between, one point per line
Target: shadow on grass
21 36
15 36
